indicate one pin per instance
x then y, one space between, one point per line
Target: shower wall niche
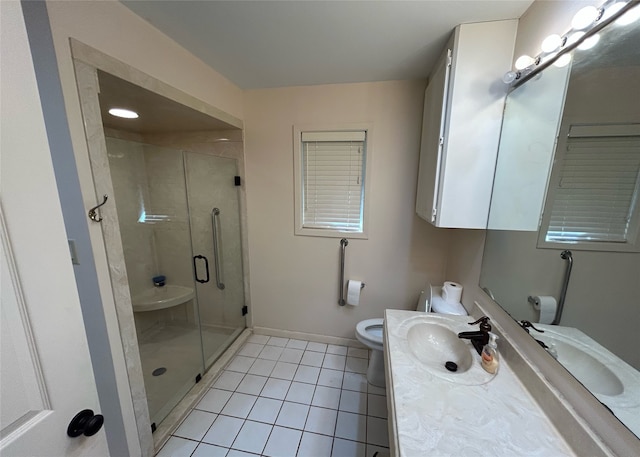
166 187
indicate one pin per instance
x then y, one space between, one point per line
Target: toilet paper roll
353 292
452 292
547 307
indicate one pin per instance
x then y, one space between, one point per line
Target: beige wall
294 279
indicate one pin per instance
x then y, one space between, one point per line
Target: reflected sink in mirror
432 340
584 367
610 379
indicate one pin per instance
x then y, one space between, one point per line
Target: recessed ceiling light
121 112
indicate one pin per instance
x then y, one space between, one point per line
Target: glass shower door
216 234
151 201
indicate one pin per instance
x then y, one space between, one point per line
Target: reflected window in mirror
592 202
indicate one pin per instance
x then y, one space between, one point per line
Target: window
331 179
593 195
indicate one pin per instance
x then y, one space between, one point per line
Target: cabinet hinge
198 378
245 310
434 213
441 141
449 58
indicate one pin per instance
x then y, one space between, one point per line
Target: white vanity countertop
433 416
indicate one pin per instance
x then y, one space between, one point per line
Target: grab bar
343 244
216 212
566 255
489 293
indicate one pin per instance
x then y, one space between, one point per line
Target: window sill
594 246
328 233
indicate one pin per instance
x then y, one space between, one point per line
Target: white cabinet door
433 126
46 376
461 125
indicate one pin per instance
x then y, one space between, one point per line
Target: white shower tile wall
281 397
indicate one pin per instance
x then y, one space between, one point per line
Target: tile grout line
291 381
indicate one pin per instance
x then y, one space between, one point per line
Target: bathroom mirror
568 178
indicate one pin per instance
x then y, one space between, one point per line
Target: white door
46 376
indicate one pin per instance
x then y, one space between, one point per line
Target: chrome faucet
479 338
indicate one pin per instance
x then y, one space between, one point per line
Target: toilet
369 331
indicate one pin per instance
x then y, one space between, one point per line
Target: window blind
598 186
333 165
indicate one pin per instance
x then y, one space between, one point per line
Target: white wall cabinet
463 108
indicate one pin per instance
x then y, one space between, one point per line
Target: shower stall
180 226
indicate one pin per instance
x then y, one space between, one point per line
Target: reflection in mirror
568 177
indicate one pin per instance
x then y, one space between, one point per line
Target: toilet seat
370 333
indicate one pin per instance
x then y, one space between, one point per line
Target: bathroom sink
577 359
434 345
431 340
161 297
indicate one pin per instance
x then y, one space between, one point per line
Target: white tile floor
281 397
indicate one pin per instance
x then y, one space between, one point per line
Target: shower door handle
195 268
215 214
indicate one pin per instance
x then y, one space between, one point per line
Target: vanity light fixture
630 17
585 17
613 9
589 42
551 43
524 61
582 35
122 112
574 37
562 61
510 76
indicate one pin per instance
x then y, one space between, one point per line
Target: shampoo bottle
490 355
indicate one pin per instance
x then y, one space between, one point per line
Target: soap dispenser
490 355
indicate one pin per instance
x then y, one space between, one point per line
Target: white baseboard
309 337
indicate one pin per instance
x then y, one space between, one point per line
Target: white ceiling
259 44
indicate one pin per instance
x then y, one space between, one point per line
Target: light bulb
551 43
563 60
630 16
585 17
121 112
612 9
510 77
589 42
523 62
